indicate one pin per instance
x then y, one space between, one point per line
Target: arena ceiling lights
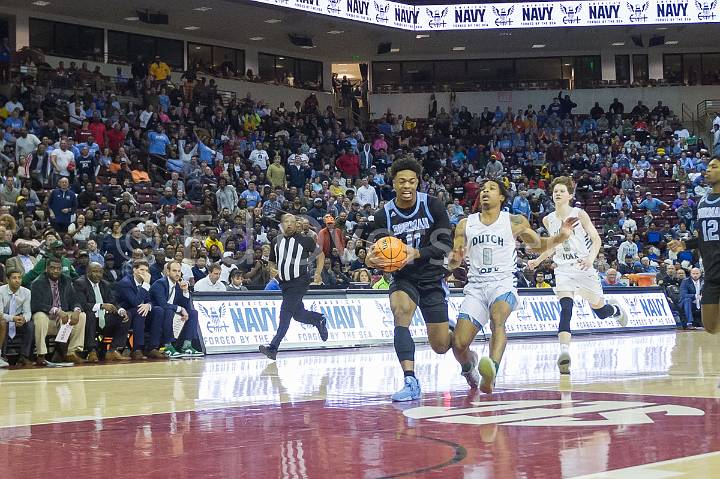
512 15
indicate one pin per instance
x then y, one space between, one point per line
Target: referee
290 253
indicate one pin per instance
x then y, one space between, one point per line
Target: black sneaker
322 329
268 351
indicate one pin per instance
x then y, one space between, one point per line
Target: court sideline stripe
621 473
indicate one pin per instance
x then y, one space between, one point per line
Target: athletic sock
564 348
410 374
187 344
497 364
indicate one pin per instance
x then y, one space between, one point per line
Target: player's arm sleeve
441 241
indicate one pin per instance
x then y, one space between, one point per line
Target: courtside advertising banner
232 323
512 15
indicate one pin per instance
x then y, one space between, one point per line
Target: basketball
392 249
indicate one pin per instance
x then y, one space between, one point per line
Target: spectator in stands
521 205
652 204
540 280
330 238
211 282
610 279
159 70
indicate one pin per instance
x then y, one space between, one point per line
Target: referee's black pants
292 307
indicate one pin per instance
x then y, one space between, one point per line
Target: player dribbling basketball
422 223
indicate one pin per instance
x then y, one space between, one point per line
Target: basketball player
708 244
422 223
574 271
488 237
290 255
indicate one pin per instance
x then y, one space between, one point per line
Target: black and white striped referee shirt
291 255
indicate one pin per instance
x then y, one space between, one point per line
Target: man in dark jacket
54 302
133 295
98 302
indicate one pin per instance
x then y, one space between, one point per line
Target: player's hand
584 264
374 260
566 230
676 246
533 263
144 309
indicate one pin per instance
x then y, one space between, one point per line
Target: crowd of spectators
145 172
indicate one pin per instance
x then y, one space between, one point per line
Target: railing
688 117
707 107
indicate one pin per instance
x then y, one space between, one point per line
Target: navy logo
637 12
333 6
571 14
215 323
503 16
706 9
437 18
382 10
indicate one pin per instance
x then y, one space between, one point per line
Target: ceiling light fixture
273 20
281 58
422 35
538 45
505 34
257 39
618 44
458 49
307 47
202 9
191 27
394 50
198 48
388 69
336 32
671 42
661 28
40 3
132 19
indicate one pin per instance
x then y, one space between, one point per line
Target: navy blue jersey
708 226
425 227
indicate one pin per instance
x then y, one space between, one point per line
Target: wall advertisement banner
511 15
232 323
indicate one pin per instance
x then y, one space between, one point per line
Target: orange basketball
392 249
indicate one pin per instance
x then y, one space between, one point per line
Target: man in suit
170 298
23 261
133 295
15 315
53 302
690 295
98 302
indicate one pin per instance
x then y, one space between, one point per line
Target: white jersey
574 248
490 249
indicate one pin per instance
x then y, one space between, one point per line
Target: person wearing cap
16 316
652 204
54 249
330 237
317 212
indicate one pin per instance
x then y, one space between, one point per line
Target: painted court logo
553 413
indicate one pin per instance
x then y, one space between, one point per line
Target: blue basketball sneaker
410 392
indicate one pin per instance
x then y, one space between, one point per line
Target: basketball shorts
480 297
430 296
583 283
710 293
